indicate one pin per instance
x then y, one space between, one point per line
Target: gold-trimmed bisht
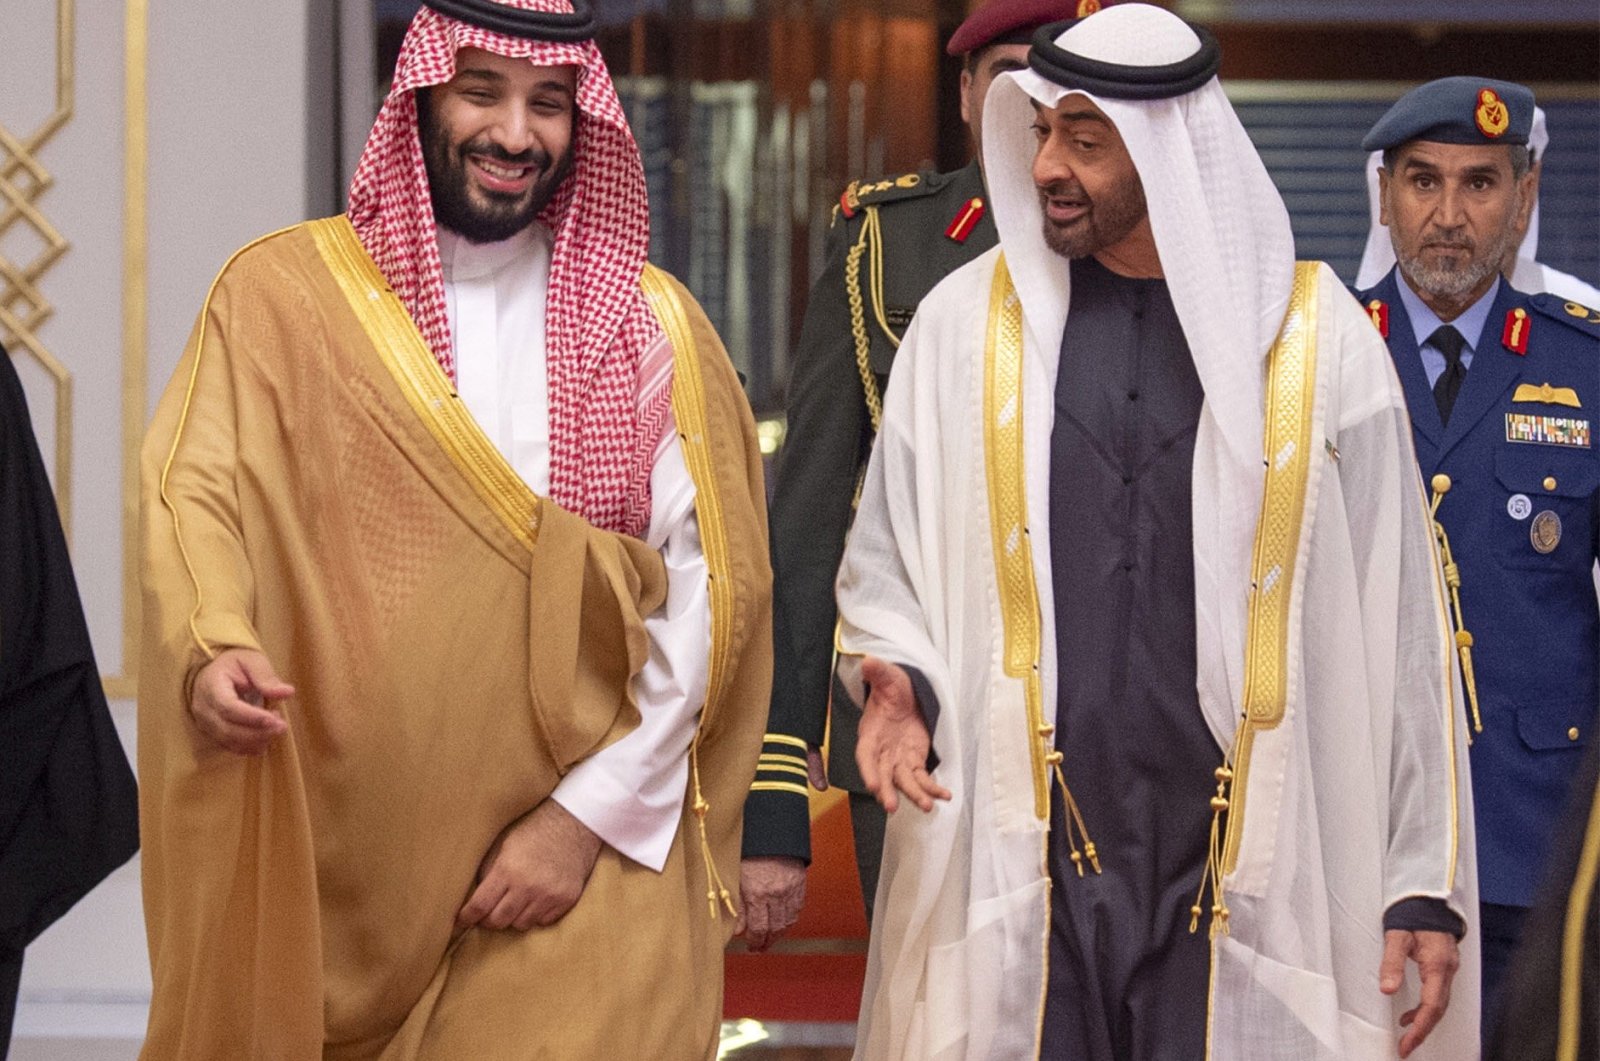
688 407
1013 553
1286 439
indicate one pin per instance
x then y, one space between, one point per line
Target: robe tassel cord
716 891
1075 816
1452 581
1286 462
1215 870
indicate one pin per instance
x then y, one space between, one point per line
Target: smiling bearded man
1142 545
482 487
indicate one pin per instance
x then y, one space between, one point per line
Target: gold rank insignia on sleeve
782 766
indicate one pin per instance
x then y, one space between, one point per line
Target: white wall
228 142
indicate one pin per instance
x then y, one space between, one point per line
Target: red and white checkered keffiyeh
609 364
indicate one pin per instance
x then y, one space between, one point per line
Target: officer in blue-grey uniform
1503 389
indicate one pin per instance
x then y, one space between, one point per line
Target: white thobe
629 793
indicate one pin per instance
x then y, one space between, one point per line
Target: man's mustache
490 149
1449 239
1064 190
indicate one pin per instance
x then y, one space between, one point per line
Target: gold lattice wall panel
24 308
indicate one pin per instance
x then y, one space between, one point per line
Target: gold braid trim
871 235
1005 470
1286 438
688 407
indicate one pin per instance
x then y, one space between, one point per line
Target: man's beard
1459 271
1105 224
478 214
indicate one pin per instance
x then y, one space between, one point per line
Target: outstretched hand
892 741
1437 958
231 701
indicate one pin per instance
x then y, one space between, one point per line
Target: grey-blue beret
1456 110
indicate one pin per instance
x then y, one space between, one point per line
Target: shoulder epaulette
1573 314
859 194
893 189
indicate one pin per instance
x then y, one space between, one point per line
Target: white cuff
631 793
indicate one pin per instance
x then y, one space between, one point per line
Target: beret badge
1087 7
1493 116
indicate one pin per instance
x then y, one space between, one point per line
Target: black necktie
1448 342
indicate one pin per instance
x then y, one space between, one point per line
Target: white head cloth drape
1529 276
1359 798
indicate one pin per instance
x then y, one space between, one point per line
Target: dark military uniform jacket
889 243
1522 515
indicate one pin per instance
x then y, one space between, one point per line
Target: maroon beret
1013 22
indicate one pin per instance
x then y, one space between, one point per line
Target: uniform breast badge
1545 532
1547 430
1545 394
1492 116
1519 507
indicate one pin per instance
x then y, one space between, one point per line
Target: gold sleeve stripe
792 760
784 738
798 771
779 786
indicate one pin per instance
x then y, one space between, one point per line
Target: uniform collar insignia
961 227
1378 311
1514 336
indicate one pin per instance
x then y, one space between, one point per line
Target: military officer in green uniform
889 242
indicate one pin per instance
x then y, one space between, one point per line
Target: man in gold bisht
456 599
1143 545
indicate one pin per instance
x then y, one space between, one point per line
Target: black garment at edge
1525 1024
1128 982
68 808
